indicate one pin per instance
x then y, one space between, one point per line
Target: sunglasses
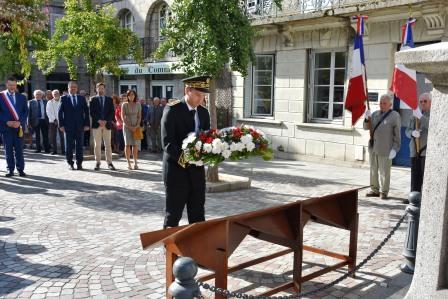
424 101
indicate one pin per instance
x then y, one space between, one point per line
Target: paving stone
76 234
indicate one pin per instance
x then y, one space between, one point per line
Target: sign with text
155 68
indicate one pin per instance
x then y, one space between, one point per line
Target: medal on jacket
20 133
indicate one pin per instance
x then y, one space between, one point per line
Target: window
263 85
327 78
164 16
128 20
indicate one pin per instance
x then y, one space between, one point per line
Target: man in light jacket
52 113
419 134
384 144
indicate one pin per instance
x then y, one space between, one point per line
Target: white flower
226 153
208 148
241 146
234 147
184 145
198 145
216 144
224 146
245 139
250 146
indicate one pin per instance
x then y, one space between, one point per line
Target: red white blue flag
404 83
357 86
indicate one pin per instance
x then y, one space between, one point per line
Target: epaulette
174 103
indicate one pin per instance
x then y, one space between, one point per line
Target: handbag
138 133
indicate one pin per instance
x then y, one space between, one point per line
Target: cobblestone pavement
72 234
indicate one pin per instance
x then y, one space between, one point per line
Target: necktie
39 110
13 98
196 126
102 107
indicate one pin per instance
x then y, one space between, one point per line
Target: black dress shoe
9 174
111 166
47 152
21 173
63 154
54 153
71 167
37 151
97 167
79 167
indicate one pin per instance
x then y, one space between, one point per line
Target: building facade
157 77
295 91
60 77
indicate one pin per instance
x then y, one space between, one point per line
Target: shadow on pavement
12 265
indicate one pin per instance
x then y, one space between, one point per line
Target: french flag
404 83
357 86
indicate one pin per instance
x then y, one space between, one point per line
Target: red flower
237 133
209 140
202 137
255 135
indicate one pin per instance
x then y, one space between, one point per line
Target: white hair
387 97
425 95
38 91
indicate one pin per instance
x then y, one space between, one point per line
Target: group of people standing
385 141
112 122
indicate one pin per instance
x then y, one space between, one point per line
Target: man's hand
416 133
62 129
10 123
368 114
86 128
392 154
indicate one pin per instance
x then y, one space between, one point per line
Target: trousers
380 173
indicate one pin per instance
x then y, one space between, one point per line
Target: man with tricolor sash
13 116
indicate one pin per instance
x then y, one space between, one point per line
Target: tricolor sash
12 110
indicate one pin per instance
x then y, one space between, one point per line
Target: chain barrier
230 294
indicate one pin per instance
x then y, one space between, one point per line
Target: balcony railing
267 8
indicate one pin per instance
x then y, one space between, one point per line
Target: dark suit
73 118
102 109
106 113
184 186
38 120
12 142
155 118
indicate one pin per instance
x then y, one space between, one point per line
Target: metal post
184 286
410 244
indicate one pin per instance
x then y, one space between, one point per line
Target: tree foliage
208 34
90 35
23 26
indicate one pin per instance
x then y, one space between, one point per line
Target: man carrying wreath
13 115
184 183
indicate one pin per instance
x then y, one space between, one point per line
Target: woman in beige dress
131 114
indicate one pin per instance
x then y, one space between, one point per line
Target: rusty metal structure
211 243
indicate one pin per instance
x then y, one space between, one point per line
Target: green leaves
89 36
208 34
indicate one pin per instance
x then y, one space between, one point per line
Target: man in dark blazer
38 120
103 113
184 183
73 121
13 116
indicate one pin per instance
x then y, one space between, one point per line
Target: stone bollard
410 243
184 287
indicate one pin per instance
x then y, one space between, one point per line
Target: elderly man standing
38 120
384 143
53 118
417 131
155 118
